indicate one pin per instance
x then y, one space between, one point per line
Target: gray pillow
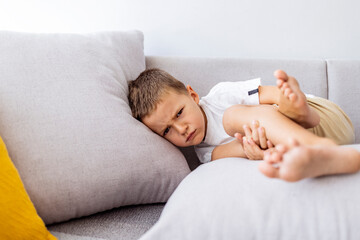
65 119
231 199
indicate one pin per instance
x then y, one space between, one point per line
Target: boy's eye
166 131
179 113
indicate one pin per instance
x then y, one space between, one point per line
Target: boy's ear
193 94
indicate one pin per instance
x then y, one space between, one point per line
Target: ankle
355 155
269 95
328 142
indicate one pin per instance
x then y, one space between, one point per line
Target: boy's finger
269 144
238 136
251 142
244 141
247 131
246 145
262 138
254 130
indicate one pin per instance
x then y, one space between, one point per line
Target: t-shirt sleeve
232 93
204 152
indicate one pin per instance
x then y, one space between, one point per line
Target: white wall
215 28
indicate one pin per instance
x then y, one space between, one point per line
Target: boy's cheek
170 140
176 142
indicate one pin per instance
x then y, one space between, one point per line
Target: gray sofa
337 80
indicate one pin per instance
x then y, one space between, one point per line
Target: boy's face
178 118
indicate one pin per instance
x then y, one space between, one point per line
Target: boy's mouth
191 136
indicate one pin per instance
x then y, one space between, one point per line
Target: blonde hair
147 89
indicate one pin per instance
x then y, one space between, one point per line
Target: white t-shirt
222 96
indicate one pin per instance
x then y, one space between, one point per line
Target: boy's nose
181 128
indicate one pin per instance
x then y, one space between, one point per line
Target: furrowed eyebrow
174 116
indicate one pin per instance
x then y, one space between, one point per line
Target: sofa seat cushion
231 199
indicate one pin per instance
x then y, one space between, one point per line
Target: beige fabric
334 123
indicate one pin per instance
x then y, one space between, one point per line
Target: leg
295 162
292 101
278 127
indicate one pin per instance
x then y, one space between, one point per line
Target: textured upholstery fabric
65 236
231 199
18 217
344 89
128 223
203 73
65 118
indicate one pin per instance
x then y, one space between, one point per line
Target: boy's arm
231 149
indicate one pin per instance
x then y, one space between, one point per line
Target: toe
281 148
282 90
280 74
268 155
268 170
293 142
276 157
279 83
292 97
285 86
289 176
287 92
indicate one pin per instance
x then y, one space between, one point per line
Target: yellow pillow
18 217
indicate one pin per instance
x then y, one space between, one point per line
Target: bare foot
293 103
295 162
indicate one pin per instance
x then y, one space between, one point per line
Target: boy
176 113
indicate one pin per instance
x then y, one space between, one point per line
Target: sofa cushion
18 217
231 199
65 117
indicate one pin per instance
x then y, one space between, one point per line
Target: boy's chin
194 142
185 145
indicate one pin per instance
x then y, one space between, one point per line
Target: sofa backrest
203 73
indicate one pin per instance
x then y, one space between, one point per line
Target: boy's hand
251 150
254 142
258 135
